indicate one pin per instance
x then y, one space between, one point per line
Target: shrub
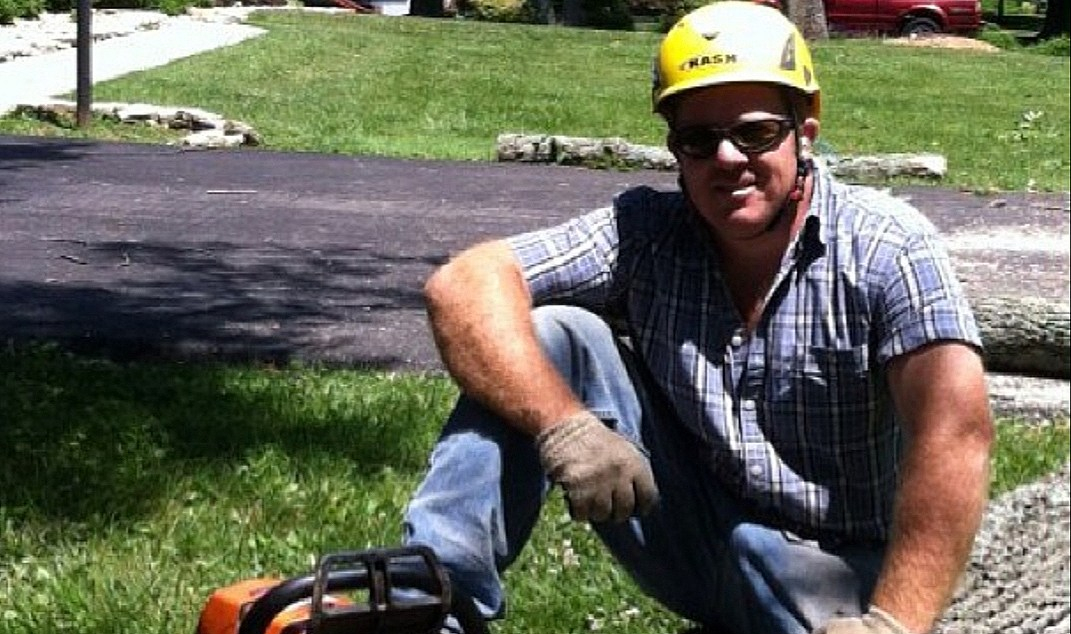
648 8
608 14
1006 40
64 6
170 7
600 14
496 10
999 37
677 9
1057 47
61 6
11 9
122 4
178 7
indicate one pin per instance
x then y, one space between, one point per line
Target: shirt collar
814 235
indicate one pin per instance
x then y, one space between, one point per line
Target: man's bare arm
480 313
941 396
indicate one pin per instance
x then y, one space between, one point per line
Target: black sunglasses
750 137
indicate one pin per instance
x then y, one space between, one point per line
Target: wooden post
84 70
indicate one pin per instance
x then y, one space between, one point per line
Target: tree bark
1057 19
809 16
1025 335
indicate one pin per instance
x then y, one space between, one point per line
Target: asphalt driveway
139 250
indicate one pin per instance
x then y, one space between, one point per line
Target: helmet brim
741 77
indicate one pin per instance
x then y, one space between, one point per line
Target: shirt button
748 405
755 469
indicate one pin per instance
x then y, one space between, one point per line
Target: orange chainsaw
379 591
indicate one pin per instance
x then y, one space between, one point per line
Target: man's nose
727 152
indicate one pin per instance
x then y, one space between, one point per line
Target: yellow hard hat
729 42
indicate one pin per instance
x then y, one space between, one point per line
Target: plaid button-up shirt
796 417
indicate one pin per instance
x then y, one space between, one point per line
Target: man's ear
671 144
809 131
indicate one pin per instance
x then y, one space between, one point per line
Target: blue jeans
698 552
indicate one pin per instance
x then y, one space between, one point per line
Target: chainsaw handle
432 580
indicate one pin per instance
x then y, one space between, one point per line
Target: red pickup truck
904 17
910 18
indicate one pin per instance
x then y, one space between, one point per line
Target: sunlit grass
130 491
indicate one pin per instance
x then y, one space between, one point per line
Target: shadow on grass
86 437
105 434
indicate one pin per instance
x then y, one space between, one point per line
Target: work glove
605 476
875 621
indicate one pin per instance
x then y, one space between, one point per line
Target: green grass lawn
128 492
446 88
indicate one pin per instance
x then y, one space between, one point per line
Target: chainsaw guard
378 579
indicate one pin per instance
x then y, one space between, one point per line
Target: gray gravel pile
1031 400
1018 580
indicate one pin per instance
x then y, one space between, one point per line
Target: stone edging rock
207 129
617 152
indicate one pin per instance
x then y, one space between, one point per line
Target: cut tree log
885 165
1025 335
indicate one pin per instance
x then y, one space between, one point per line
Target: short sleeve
922 301
572 261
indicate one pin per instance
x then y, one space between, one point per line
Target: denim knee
588 355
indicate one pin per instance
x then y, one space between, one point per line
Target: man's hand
604 475
875 621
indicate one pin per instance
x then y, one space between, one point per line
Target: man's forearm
940 394
940 504
480 314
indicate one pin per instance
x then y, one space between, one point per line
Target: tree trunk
1057 19
809 16
1025 336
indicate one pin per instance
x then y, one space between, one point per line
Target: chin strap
797 192
804 165
803 169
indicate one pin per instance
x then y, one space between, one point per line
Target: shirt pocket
826 381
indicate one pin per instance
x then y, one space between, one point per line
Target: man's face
737 192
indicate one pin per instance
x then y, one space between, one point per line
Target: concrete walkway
39 78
